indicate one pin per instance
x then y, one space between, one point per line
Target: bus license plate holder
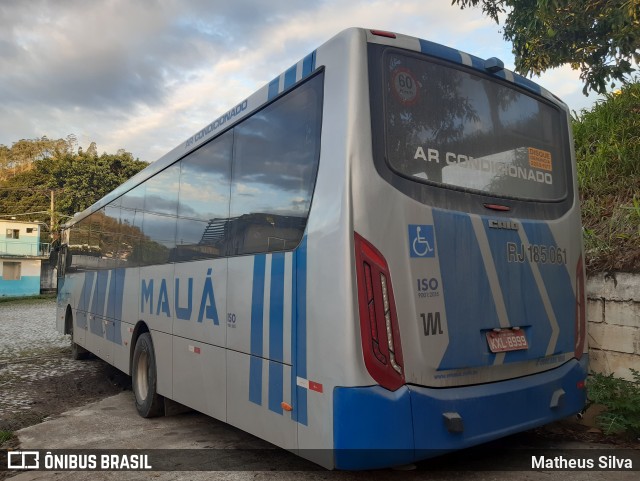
506 340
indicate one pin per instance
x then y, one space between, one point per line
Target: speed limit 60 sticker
405 86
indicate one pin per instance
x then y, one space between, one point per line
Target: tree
23 153
30 169
599 37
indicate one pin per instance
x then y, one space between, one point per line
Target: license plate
507 340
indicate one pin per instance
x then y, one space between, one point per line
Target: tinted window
161 195
449 126
133 207
182 213
112 214
158 231
204 200
275 163
110 238
83 253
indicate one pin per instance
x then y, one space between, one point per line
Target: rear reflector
382 33
379 330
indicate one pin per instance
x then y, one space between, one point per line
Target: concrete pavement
113 423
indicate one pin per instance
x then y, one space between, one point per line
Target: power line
32 189
26 213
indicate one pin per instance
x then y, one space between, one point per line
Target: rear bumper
374 427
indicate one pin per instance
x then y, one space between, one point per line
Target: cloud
144 76
243 189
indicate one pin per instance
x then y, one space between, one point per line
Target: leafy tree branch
601 38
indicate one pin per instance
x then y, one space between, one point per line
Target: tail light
382 33
378 320
581 325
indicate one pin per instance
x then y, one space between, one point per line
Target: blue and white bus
374 258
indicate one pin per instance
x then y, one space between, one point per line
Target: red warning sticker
310 385
315 386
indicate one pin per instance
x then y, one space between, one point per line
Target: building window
13 234
29 230
11 271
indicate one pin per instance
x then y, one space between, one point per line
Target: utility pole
52 215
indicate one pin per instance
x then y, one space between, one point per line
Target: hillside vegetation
607 140
31 169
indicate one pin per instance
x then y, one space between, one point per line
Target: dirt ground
42 398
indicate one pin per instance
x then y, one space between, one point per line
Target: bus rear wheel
144 378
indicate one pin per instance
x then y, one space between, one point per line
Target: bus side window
78 247
203 203
131 214
275 162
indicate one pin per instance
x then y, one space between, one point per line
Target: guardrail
24 249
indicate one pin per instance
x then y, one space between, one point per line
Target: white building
21 254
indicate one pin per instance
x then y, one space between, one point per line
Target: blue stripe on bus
557 281
273 88
520 294
440 51
102 282
119 295
477 62
276 314
276 307
111 296
114 304
290 77
257 313
526 83
468 299
309 64
97 303
83 303
299 333
294 336
447 53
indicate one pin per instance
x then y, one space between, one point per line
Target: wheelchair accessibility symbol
421 241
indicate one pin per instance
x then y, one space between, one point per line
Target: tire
144 379
78 353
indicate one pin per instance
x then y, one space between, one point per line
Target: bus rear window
450 127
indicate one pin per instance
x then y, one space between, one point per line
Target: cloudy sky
146 75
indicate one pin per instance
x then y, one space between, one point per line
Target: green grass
5 436
621 398
51 295
607 142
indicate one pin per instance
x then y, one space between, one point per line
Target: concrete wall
48 279
613 312
29 282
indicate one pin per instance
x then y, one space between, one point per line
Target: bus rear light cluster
379 330
388 325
